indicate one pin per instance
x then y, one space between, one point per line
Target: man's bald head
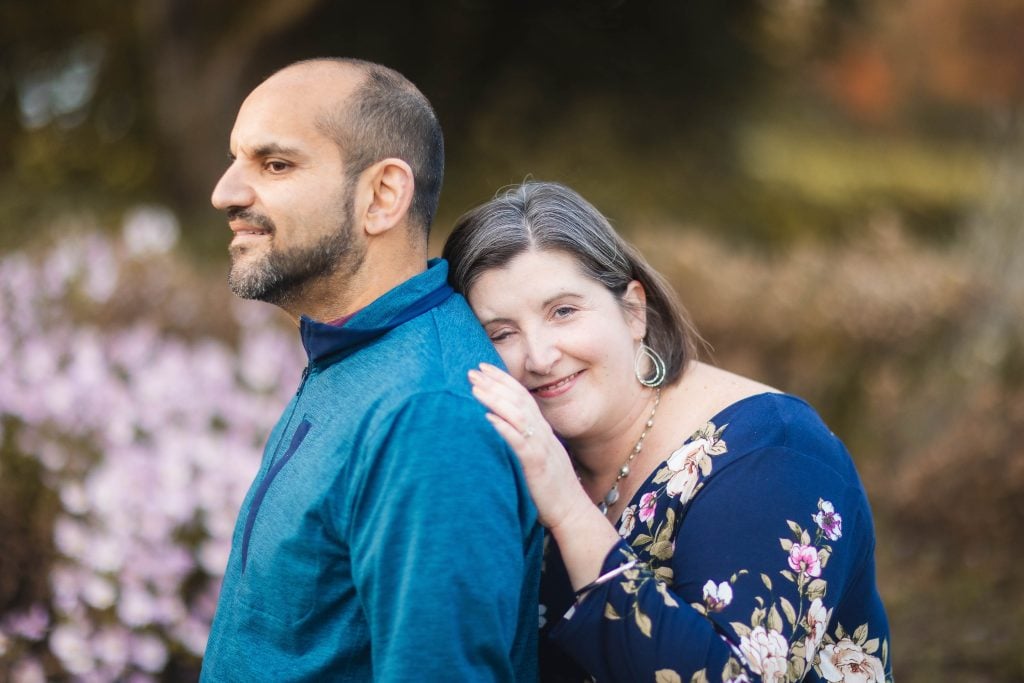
373 113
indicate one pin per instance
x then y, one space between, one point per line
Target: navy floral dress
755 562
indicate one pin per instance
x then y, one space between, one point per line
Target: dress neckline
715 419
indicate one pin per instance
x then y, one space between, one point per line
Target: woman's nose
542 353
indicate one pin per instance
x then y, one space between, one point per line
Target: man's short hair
387 116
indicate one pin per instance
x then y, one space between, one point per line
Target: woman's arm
757 587
584 536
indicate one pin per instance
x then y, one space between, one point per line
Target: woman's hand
549 472
583 534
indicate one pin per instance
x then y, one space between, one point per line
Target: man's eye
276 166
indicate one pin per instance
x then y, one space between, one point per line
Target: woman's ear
634 302
391 184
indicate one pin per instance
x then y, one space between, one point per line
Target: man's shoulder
452 332
455 313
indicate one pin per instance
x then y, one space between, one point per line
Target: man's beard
282 276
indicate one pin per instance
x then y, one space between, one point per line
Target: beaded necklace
612 496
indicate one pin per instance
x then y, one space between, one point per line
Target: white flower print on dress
628 521
828 520
717 598
847 661
765 653
687 464
817 622
691 461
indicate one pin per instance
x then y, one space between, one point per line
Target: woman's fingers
517 419
500 376
506 431
512 403
514 414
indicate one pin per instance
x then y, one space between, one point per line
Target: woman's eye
563 312
500 335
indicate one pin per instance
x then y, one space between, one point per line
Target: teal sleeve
437 542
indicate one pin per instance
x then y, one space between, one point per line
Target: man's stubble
281 276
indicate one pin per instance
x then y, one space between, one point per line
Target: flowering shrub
145 434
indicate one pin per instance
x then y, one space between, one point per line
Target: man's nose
232 190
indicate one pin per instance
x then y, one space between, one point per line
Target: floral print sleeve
754 550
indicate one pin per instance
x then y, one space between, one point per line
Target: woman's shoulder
714 395
787 430
793 415
751 417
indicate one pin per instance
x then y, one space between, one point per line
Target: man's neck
341 295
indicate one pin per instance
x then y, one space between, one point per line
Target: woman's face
565 337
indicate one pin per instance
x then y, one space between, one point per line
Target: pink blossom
31 624
149 230
804 559
28 670
142 434
648 506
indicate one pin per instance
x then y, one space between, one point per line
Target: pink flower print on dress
804 559
648 506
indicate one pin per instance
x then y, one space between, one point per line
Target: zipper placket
295 406
274 466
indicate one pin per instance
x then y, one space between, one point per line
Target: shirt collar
408 300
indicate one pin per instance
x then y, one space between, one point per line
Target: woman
706 527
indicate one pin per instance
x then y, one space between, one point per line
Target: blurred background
833 187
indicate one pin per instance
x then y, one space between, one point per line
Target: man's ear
634 302
391 186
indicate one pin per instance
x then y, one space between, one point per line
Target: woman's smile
556 388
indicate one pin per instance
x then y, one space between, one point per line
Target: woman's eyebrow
561 295
491 321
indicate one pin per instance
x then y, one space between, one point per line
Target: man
389 534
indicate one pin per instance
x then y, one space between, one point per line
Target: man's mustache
251 217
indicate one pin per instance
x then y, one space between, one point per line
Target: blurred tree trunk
196 78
